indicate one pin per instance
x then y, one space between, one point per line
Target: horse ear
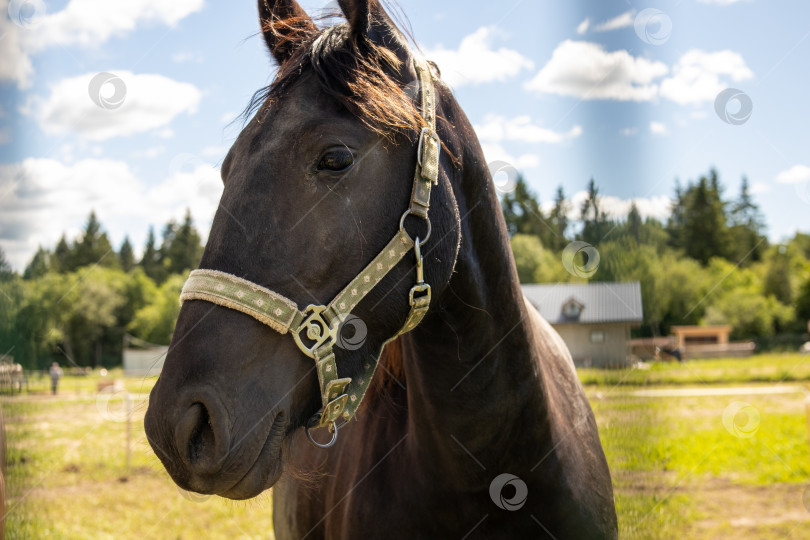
284 24
368 18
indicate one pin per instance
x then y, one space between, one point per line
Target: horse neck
471 371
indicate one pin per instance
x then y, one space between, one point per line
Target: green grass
771 368
40 383
677 471
67 475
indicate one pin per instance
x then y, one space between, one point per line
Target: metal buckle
433 135
318 330
418 288
314 424
402 224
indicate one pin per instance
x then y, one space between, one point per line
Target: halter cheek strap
315 329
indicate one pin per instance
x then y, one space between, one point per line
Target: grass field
763 368
701 466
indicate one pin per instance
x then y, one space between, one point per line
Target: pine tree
746 228
558 219
126 256
705 232
595 224
150 262
39 265
677 218
94 246
184 250
62 256
634 223
6 272
523 214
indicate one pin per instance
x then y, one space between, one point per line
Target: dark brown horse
475 424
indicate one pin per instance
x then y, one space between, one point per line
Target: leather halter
315 329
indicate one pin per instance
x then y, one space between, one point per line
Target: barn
594 319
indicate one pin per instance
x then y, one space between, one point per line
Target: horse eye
336 160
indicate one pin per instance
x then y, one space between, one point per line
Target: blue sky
563 90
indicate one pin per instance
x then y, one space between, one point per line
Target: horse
427 399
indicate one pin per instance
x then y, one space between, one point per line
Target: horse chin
264 472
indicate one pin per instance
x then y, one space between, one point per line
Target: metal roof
597 302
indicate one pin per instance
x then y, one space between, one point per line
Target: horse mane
393 373
358 73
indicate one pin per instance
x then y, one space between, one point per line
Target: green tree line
708 262
76 303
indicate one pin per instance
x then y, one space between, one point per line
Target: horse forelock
358 73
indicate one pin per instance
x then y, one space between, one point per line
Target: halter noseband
318 324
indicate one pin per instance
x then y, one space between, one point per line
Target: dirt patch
739 507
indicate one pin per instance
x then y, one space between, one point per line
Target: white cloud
585 70
699 76
795 175
93 22
45 197
82 22
476 61
759 187
628 131
151 101
218 152
150 153
657 207
624 20
658 128
582 27
496 128
495 152
16 65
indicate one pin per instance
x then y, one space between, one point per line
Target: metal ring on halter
333 428
427 220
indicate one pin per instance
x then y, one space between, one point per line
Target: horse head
314 189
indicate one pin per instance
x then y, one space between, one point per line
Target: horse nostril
201 445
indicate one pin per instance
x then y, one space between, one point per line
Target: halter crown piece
315 329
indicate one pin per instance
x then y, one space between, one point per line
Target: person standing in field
56 373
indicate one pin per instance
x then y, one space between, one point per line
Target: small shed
143 359
594 319
686 336
709 342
